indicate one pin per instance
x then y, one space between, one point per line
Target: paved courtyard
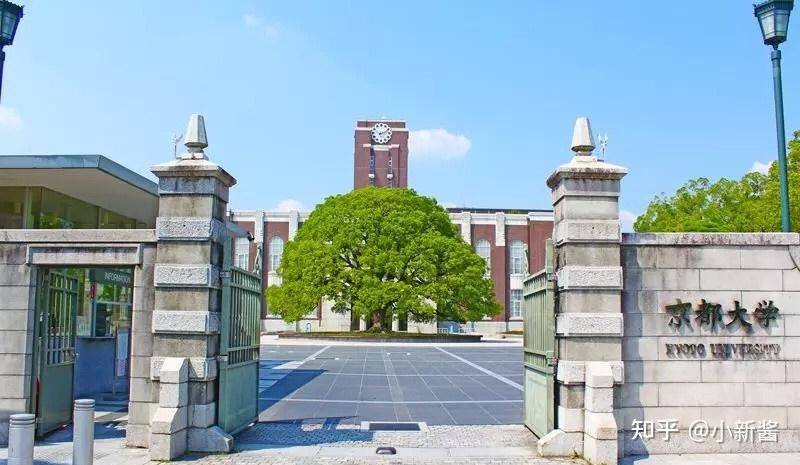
438 385
314 398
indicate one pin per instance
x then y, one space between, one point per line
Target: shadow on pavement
305 432
109 426
276 385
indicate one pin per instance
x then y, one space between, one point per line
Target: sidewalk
113 452
326 443
714 459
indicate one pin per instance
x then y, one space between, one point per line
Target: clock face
381 133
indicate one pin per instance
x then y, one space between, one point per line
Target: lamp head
10 14
773 17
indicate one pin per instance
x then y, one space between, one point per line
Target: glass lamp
773 17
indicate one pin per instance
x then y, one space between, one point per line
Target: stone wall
21 253
692 373
16 332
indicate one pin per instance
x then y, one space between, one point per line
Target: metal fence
539 293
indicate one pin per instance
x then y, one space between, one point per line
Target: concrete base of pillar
165 447
600 451
559 443
212 439
137 435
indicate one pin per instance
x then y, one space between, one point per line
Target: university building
511 241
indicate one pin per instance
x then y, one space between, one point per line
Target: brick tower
380 157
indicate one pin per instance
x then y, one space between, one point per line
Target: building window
484 250
275 253
390 175
517 252
41 208
12 207
241 254
105 302
516 303
372 167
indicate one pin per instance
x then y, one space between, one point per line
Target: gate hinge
551 360
224 275
551 277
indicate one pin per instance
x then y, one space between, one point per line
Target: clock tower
380 157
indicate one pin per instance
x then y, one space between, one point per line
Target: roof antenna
175 140
603 140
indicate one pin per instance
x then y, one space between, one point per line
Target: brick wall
660 269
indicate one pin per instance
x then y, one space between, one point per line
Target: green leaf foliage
382 254
749 204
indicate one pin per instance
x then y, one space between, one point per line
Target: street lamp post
10 14
773 17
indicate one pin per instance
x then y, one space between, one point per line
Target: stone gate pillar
186 319
587 237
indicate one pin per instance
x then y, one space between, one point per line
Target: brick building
511 241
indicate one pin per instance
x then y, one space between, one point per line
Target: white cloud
759 167
10 118
261 26
626 219
288 205
437 144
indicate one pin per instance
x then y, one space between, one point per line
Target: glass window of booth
107 299
12 207
42 208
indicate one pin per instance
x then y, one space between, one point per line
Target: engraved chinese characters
713 317
710 314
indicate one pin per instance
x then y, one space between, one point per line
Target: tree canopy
382 254
749 204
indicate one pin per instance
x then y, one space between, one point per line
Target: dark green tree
382 254
749 204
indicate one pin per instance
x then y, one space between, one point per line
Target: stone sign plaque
713 316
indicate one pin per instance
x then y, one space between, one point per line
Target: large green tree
749 204
382 254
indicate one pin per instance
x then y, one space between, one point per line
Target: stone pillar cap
586 167
196 139
193 168
582 138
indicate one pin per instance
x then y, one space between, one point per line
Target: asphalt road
350 384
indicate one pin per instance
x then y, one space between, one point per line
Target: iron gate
539 294
56 312
239 345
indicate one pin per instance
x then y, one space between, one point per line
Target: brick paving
242 459
330 435
315 443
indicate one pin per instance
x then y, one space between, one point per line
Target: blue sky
683 89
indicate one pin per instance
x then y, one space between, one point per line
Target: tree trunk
377 320
355 321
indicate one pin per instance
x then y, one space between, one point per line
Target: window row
518 263
241 254
42 208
